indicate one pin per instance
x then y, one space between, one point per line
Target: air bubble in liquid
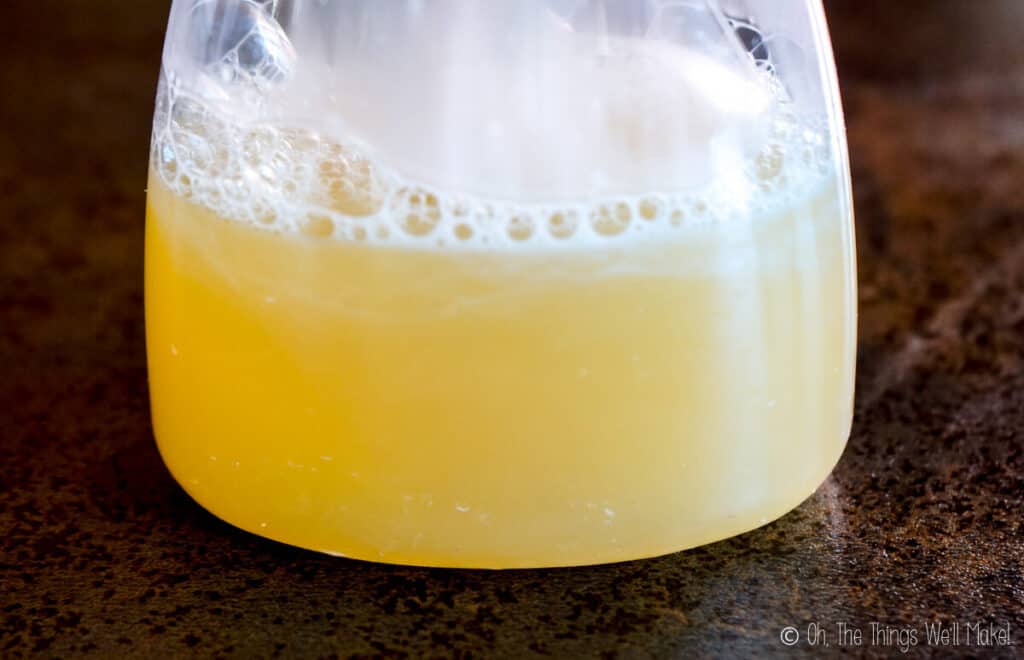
563 224
258 144
167 162
197 135
649 209
264 215
317 225
520 227
422 212
300 142
348 182
611 219
191 116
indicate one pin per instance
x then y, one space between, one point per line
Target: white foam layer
290 179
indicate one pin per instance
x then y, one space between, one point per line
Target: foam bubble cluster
291 179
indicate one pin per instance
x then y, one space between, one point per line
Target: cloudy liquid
581 401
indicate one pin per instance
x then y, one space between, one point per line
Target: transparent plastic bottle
499 284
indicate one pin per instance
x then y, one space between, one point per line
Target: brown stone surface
101 552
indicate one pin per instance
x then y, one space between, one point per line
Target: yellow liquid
501 408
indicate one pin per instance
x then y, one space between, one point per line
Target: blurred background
101 552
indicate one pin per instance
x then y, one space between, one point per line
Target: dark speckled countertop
102 554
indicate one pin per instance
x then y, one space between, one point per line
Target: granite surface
102 554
